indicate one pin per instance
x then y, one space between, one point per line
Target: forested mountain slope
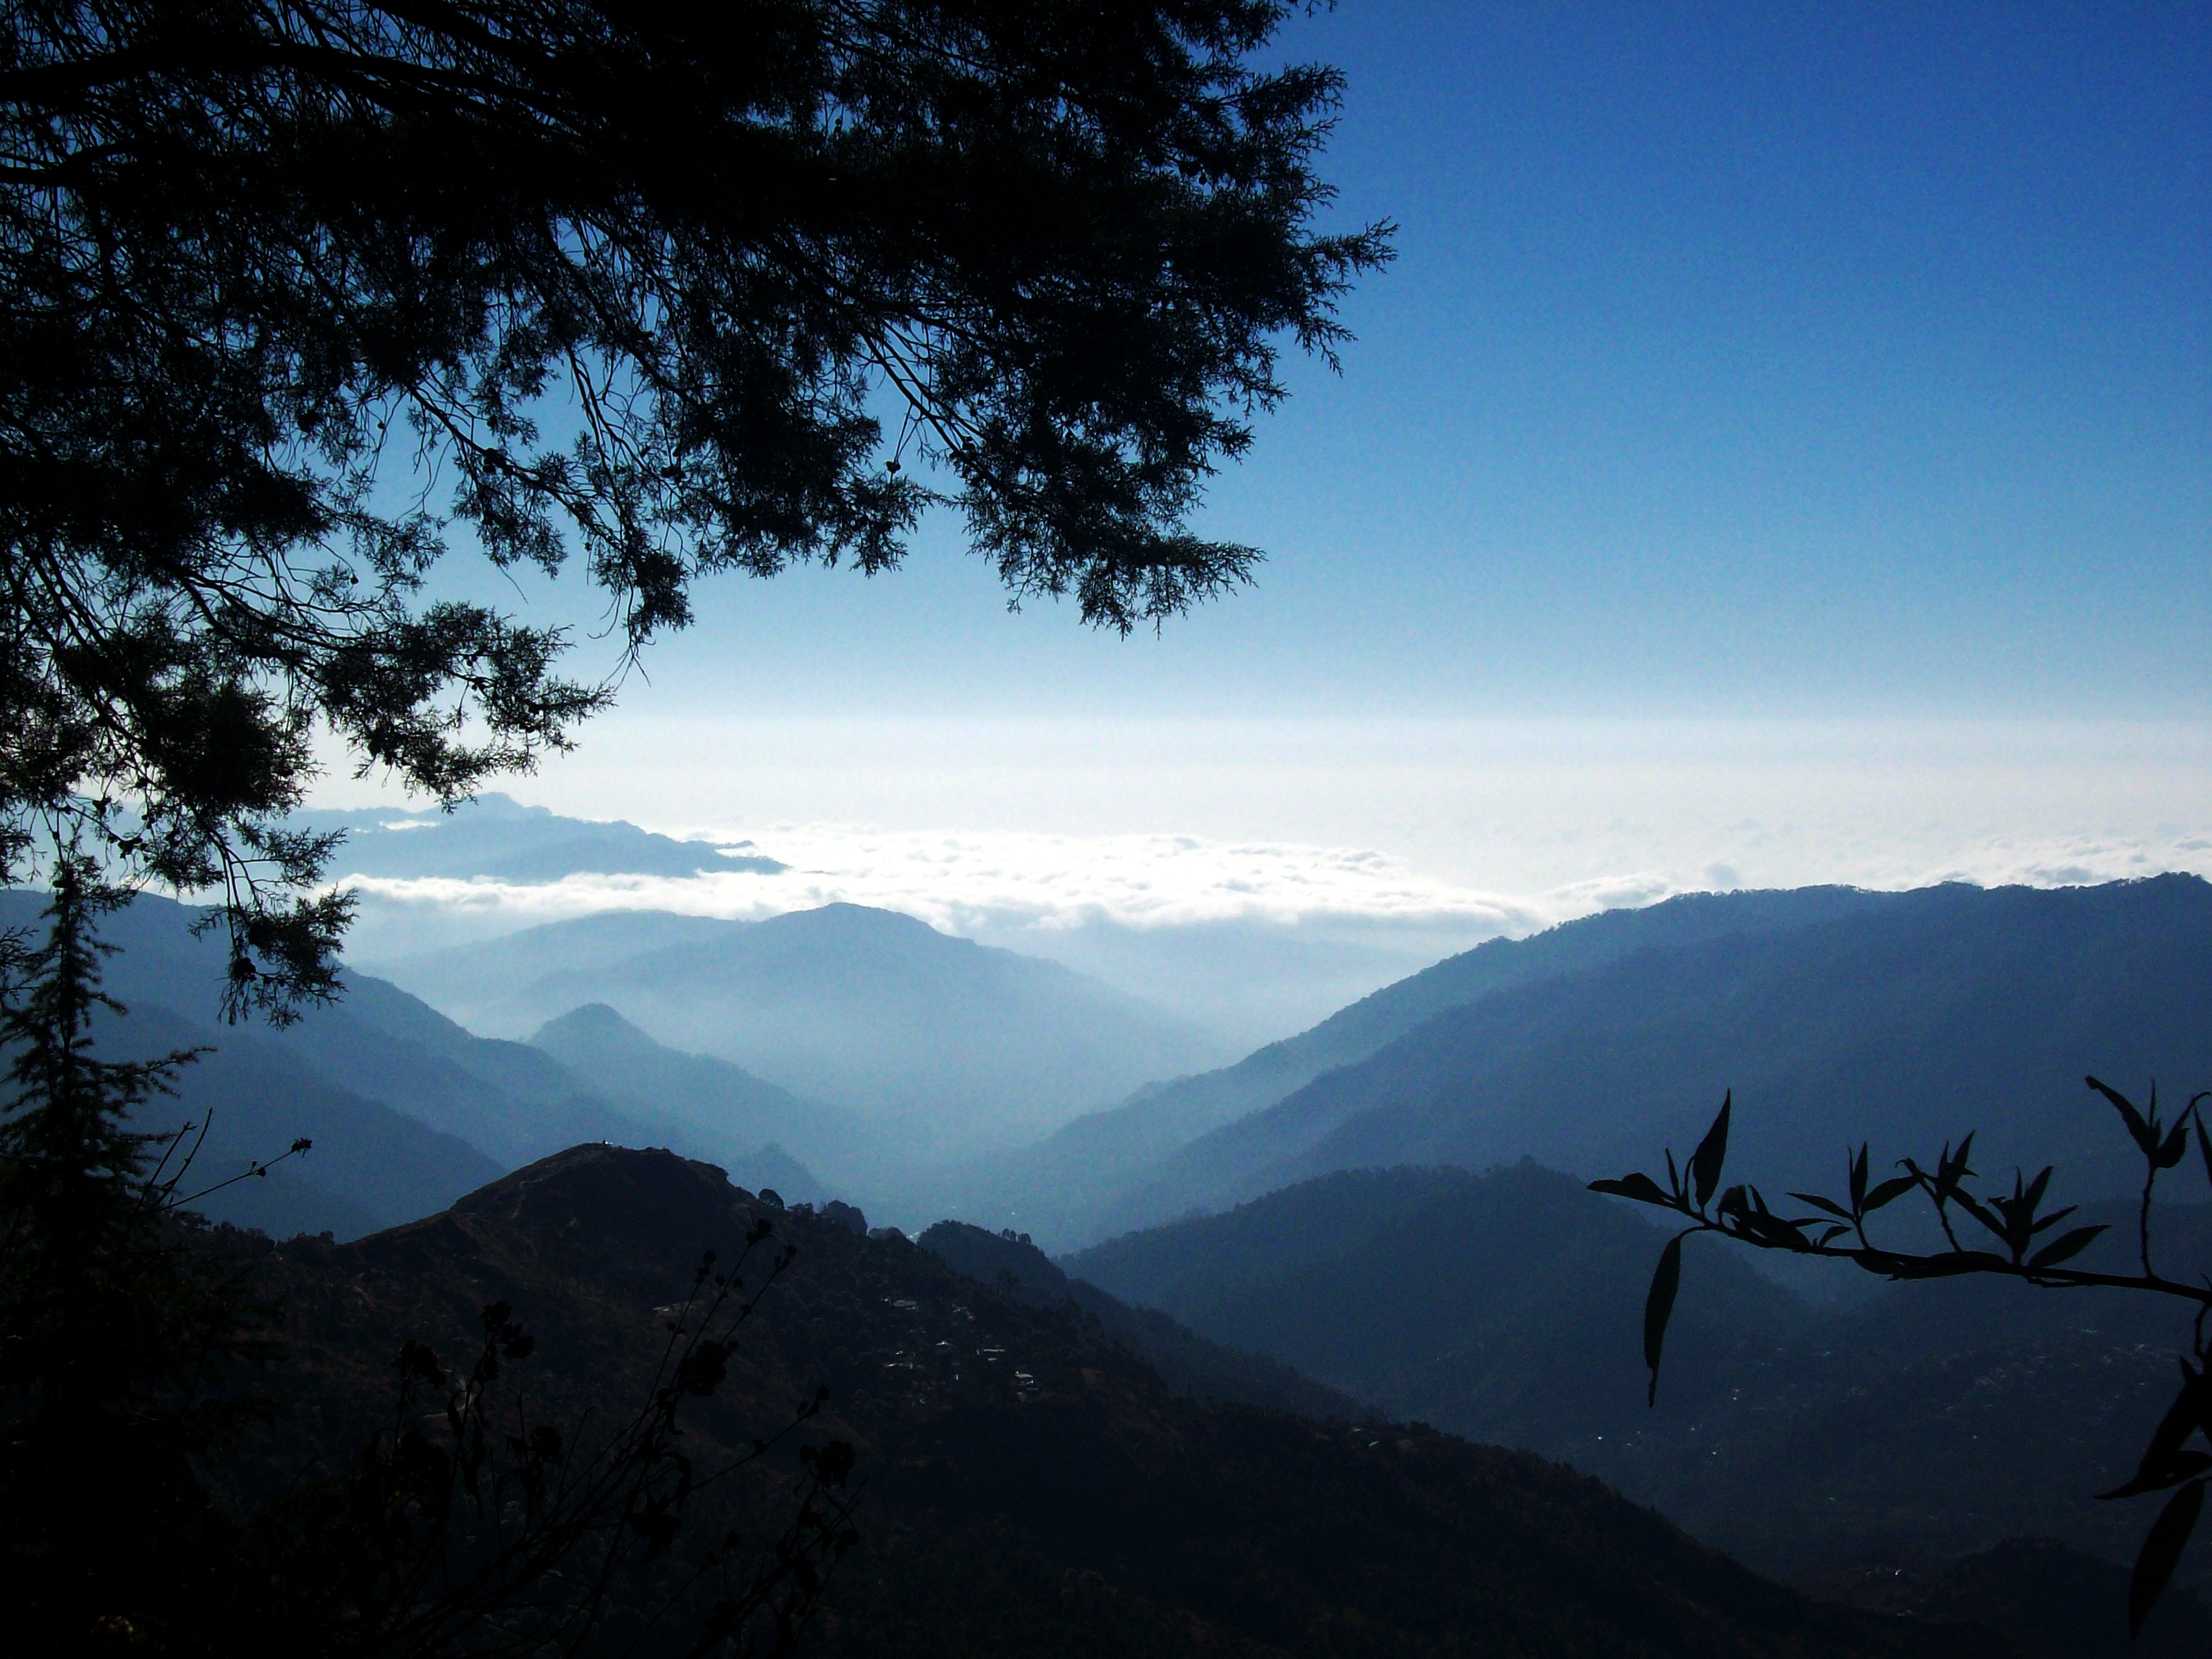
1911 1429
1071 1188
1030 1488
713 1098
406 1109
952 1044
1923 1016
1189 1362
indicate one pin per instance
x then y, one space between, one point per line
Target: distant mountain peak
844 919
592 1022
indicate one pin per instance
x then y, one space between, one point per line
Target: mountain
407 1110
714 1099
371 1165
257 1090
1931 1422
1503 1306
1073 1186
497 838
960 1046
1906 1021
1188 1363
1027 1485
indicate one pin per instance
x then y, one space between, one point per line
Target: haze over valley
1218 830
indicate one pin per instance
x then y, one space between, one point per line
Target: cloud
971 882
968 881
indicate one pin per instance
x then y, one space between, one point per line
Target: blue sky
1785 427
1739 360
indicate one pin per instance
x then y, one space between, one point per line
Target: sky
1781 452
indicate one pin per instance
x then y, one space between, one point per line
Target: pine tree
111 1313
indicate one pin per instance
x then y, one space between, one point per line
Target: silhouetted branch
2017 1223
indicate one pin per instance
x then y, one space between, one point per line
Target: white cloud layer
965 882
968 881
1316 862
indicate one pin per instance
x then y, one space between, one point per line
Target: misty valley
1332 1337
1028 830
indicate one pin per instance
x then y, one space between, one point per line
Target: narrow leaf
1832 1235
1821 1203
2167 1440
2065 1246
2203 1141
2162 1552
1890 1190
2177 1144
1712 1151
1659 1308
2132 1118
2177 1468
2044 1223
1641 1188
1973 1207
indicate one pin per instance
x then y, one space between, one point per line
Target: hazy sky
1782 450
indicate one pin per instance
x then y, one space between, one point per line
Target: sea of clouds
1255 939
1258 874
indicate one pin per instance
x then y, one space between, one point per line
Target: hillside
1071 1187
959 1046
1905 1021
1811 1441
714 1099
1029 1486
1503 1307
494 836
1184 1359
407 1110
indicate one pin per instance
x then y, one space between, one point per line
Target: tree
109 1312
299 293
477 1528
2026 1247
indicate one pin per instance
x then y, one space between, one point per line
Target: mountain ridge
1847 1024
1203 1528
872 1010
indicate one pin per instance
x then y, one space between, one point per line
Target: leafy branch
503 1535
2016 1240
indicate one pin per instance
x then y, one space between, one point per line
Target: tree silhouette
300 293
111 1310
466 1525
2014 1237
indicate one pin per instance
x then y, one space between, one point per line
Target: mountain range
406 1109
1835 1016
1027 1485
497 838
1904 1430
1378 1243
947 1046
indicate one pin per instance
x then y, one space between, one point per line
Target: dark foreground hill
1922 1425
1184 1359
1028 1486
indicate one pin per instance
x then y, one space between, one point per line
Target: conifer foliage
300 293
113 1310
